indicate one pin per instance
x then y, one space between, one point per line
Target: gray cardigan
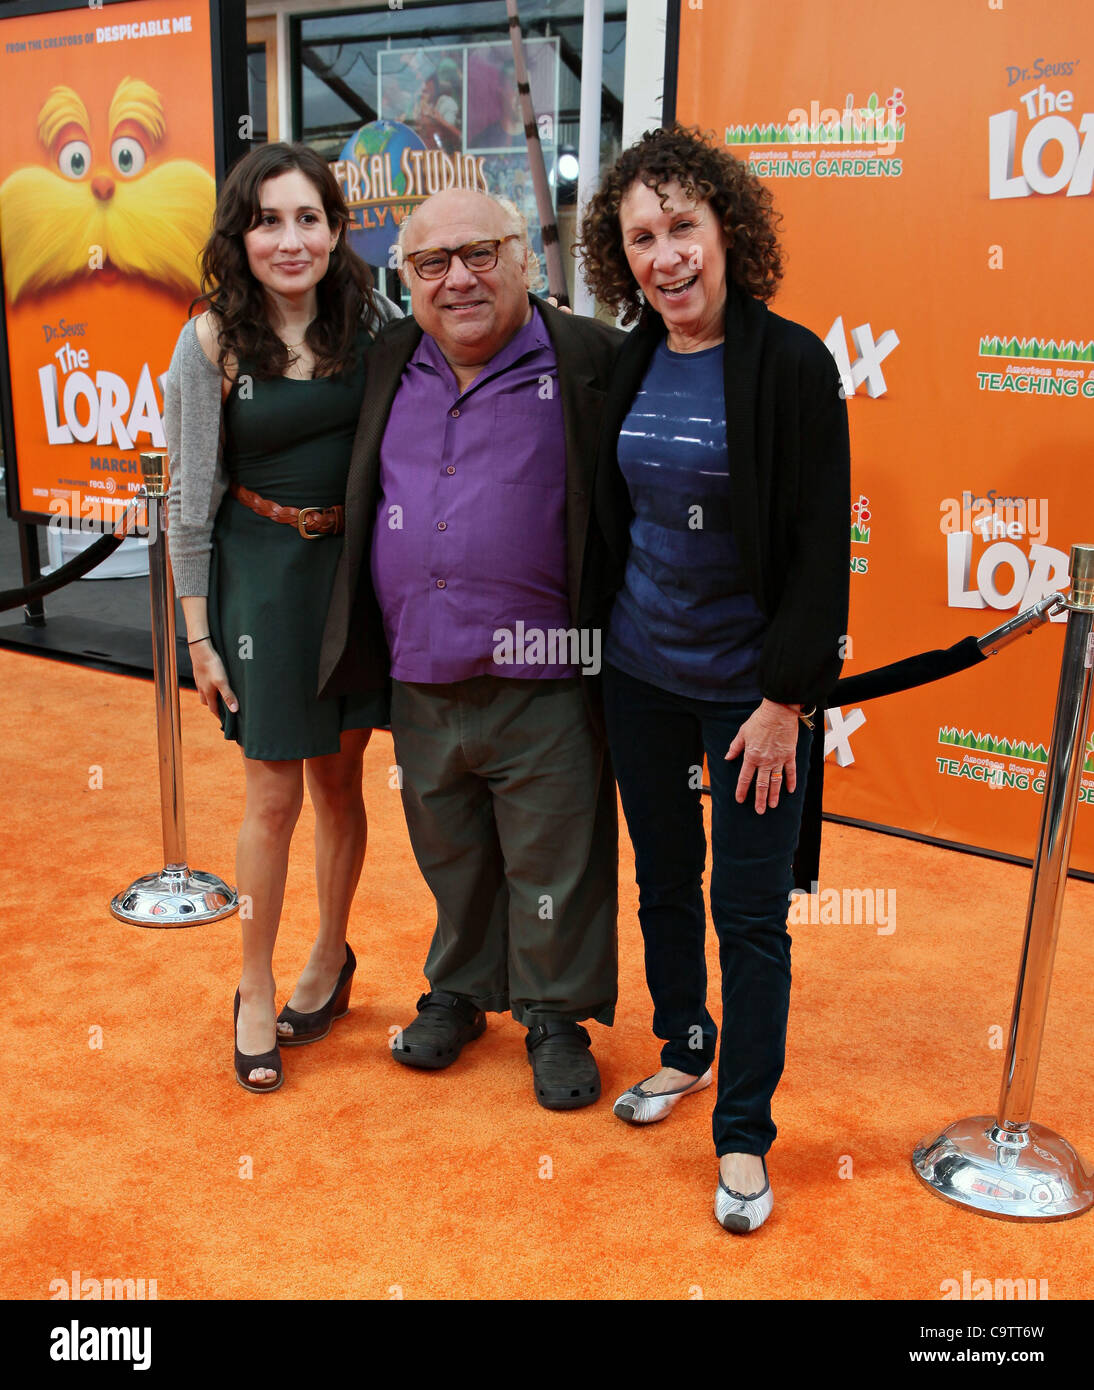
195 445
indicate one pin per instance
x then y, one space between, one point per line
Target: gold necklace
302 341
294 360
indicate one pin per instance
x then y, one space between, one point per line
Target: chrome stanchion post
176 896
1005 1165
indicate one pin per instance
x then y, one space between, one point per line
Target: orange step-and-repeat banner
933 163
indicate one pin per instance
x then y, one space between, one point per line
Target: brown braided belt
311 522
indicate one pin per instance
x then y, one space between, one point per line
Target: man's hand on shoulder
607 331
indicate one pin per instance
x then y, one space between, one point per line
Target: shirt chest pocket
527 443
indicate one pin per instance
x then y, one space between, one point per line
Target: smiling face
289 250
471 315
677 254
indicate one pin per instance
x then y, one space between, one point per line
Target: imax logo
866 368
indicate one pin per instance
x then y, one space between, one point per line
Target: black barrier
76 568
905 674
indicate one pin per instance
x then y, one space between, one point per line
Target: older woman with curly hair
723 499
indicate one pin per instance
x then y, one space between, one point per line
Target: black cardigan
790 492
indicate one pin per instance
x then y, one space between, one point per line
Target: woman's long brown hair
237 299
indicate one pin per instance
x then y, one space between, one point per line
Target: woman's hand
210 677
768 739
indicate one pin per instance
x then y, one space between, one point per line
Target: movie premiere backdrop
107 190
933 163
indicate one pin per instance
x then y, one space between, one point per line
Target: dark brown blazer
354 654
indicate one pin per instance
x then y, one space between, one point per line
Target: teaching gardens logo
852 141
1037 366
1002 763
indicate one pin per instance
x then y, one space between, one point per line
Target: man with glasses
468 505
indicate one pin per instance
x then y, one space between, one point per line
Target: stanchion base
175 897
1028 1174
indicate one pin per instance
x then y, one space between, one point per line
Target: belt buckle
303 513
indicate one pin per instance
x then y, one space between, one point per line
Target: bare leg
743 1173
667 1079
275 793
341 832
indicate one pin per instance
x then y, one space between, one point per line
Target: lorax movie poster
107 193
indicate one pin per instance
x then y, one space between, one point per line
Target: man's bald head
499 214
470 314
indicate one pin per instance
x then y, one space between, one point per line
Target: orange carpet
361 1179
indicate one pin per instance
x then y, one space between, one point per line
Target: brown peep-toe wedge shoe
307 1028
246 1062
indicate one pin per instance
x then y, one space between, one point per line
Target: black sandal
247 1062
563 1067
307 1028
437 1036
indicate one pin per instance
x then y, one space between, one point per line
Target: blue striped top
684 619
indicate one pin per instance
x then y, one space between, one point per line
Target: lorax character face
89 209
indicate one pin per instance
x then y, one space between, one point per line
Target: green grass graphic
861 534
988 743
1039 349
859 132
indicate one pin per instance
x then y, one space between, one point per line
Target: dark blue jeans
657 744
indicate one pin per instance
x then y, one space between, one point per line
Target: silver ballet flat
739 1213
639 1107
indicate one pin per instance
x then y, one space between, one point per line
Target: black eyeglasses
433 262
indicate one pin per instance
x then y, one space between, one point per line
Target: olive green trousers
511 808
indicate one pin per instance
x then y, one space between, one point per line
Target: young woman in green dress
261 405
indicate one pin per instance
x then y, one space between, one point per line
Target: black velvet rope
908 673
75 569
870 685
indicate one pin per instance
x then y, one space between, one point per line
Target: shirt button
441 584
456 413
442 525
450 470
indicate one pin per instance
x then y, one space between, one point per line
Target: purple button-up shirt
469 547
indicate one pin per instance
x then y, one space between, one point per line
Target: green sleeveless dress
269 588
